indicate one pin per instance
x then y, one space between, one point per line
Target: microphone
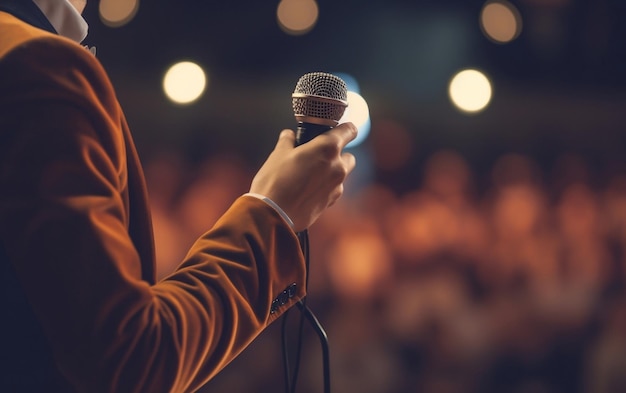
319 101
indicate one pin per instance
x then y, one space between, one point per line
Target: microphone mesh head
320 98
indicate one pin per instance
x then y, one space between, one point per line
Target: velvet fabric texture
81 309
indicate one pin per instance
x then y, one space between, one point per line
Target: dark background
470 253
560 85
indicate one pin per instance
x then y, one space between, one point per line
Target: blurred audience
517 286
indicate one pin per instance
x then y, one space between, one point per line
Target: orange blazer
81 308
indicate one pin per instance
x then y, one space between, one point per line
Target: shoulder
42 66
41 71
14 32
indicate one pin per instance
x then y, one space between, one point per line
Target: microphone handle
307 131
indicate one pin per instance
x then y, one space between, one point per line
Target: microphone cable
305 313
319 101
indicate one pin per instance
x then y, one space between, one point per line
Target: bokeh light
470 91
359 261
351 83
116 13
297 17
184 82
358 113
500 21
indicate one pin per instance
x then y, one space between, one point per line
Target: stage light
500 21
184 82
470 91
116 13
351 82
359 114
297 17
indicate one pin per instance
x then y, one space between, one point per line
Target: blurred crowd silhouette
452 284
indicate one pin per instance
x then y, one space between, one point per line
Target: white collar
65 19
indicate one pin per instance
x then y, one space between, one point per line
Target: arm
64 225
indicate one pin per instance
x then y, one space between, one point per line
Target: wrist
274 205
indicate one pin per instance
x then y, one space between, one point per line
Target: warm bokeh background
477 252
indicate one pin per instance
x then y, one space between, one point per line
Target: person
81 309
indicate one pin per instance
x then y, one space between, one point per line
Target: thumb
286 140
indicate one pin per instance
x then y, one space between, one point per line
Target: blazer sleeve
64 225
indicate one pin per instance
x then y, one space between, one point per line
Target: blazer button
283 298
291 291
274 307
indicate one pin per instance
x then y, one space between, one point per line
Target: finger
336 194
346 132
349 161
286 140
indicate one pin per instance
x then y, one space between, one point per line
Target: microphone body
307 131
319 101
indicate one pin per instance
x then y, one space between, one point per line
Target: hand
307 179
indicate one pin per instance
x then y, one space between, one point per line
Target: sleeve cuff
274 205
